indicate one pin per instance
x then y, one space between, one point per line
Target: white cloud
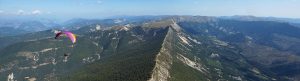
20 12
36 12
99 2
1 11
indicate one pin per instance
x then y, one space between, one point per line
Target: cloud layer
36 12
20 12
23 12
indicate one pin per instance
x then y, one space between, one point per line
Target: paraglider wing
71 36
58 34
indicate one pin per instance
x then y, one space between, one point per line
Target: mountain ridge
167 49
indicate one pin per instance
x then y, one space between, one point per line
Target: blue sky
106 8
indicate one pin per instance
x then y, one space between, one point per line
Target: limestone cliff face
163 60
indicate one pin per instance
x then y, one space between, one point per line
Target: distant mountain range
18 27
292 21
157 48
22 26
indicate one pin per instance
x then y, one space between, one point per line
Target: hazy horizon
95 9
